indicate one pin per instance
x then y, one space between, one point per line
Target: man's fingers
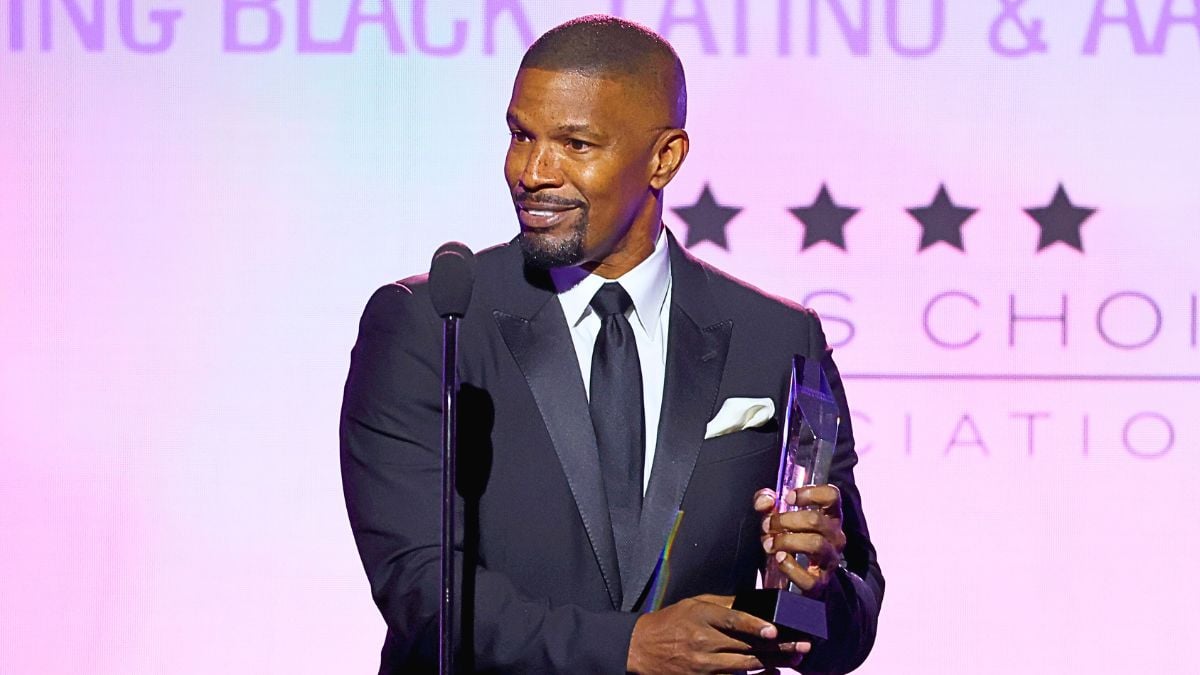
808 520
795 647
786 655
803 577
826 497
722 600
764 500
818 549
733 622
732 663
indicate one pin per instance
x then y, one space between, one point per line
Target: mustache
529 201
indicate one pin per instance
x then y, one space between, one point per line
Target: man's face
579 164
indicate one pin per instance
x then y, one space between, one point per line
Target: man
594 355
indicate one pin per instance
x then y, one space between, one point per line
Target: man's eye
578 145
519 136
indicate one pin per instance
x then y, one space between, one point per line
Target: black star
941 220
706 219
1060 220
824 221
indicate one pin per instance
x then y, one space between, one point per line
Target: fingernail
803 647
766 526
790 497
768 543
767 631
780 556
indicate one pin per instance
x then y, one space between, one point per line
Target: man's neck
639 247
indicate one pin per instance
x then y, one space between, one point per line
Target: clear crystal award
810 427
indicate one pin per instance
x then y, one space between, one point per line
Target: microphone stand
449 452
451 280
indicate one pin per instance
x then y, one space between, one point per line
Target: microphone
451 278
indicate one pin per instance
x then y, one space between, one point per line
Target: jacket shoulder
766 315
409 297
741 297
488 262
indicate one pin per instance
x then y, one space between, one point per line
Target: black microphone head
451 277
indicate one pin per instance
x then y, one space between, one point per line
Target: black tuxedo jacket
540 577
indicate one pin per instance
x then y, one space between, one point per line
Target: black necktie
617 415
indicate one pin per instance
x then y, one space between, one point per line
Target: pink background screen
197 198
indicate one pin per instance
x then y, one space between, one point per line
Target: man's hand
815 530
703 635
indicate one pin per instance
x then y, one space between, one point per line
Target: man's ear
670 151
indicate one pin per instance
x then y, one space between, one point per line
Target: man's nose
541 169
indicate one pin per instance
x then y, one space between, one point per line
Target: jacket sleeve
854 596
391 477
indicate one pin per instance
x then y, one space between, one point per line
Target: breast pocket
738 445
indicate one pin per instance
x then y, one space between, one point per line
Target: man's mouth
542 216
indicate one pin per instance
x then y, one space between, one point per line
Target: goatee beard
543 251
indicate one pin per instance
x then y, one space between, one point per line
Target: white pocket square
740 413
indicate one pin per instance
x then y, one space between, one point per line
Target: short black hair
602 45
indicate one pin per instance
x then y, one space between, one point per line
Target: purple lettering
1195 322
741 21
1128 345
785 27
421 37
1013 318
492 10
1130 19
16 25
698 18
938 21
1168 18
960 344
1151 454
826 319
306 43
90 31
857 37
858 419
385 18
965 422
163 18
232 40
1030 419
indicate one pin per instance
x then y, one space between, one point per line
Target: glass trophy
810 426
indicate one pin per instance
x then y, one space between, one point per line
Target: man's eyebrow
582 129
576 128
566 128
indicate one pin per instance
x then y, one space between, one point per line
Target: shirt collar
646 284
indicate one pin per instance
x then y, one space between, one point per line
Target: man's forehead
576 97
571 83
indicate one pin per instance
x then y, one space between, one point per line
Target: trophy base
798 618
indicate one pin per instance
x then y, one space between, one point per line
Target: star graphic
941 221
1061 220
824 221
706 219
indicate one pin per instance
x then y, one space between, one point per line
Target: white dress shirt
649 286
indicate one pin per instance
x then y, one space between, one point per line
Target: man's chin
546 251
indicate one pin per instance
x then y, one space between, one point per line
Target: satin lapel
542 348
698 343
